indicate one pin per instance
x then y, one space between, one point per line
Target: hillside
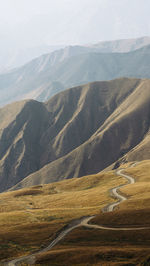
35 79
79 131
103 247
41 211
31 218
123 131
51 73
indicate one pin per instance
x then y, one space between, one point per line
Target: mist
29 23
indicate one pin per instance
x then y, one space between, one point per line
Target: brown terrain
78 132
86 131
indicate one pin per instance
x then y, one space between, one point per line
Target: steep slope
141 151
81 147
45 76
42 133
19 140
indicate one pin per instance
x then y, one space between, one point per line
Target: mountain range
11 57
122 46
77 132
51 73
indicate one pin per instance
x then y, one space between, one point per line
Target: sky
26 23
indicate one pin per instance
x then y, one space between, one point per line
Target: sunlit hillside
30 219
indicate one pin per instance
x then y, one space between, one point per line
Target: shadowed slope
20 149
42 133
122 131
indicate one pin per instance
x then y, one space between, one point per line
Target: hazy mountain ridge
79 131
43 77
12 58
122 46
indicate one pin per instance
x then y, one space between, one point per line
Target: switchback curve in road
114 191
84 221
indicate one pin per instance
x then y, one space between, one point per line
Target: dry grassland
112 248
29 218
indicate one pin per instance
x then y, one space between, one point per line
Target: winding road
84 221
114 191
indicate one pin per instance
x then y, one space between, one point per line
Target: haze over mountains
79 131
11 57
51 73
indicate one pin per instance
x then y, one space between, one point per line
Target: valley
74 133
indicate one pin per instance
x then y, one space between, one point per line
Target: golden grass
30 218
93 255
87 193
98 247
138 193
24 213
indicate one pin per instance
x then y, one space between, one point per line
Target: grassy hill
39 212
30 218
97 247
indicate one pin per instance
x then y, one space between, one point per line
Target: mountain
11 57
43 77
35 79
122 46
79 131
